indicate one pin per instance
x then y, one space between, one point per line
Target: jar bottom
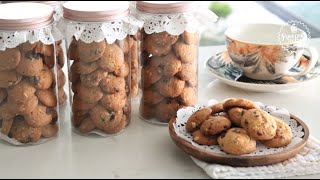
99 133
14 142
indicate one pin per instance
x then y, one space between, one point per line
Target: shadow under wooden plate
239 161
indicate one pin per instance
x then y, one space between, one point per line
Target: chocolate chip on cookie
259 124
237 142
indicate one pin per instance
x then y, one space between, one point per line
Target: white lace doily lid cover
22 22
94 21
174 17
283 114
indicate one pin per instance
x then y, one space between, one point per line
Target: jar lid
165 7
95 11
51 3
25 16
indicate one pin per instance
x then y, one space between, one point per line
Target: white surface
143 150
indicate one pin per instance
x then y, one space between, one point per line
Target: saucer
222 67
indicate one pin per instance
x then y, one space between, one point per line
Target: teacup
268 51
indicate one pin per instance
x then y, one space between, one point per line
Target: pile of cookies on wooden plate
236 125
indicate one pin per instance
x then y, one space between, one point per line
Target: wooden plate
239 161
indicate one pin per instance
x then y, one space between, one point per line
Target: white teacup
268 51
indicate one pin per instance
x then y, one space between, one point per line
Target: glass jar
168 58
28 88
60 50
99 43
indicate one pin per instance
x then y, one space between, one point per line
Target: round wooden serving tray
239 161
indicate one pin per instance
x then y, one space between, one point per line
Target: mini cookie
47 98
104 120
124 45
188 96
134 55
186 53
3 95
188 71
74 77
30 64
235 115
259 124
22 97
167 65
61 77
62 96
80 105
7 114
27 46
151 97
242 103
190 38
170 87
54 116
78 117
196 119
10 59
90 52
24 133
86 126
89 94
6 126
215 125
113 84
60 56
73 52
49 131
166 110
119 127
83 68
44 49
237 142
123 71
283 135
93 79
21 92
201 139
112 58
40 117
146 111
114 102
27 106
49 61
44 80
149 76
217 108
159 44
9 78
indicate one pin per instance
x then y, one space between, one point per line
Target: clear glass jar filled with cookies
99 42
168 57
60 47
28 86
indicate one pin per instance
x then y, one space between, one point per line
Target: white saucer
222 67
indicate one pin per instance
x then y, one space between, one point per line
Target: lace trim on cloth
12 39
176 24
97 32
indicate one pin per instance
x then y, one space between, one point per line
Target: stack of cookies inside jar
59 48
100 65
28 86
168 60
